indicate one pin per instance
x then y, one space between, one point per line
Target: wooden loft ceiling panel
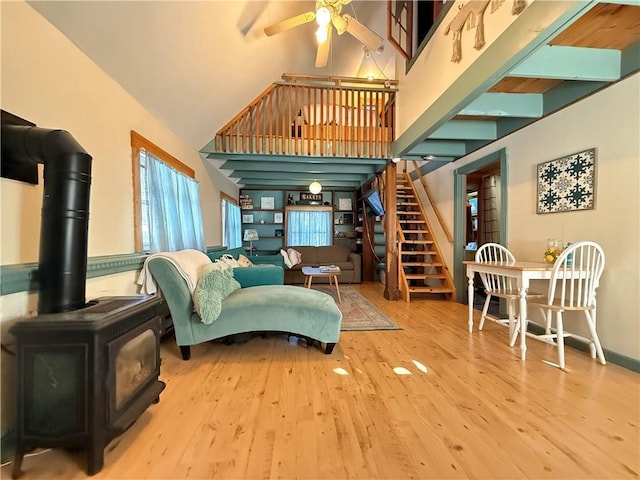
525 85
606 25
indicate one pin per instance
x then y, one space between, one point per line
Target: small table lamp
250 235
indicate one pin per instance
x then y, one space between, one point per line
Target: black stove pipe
64 232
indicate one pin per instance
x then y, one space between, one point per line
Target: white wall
610 122
49 81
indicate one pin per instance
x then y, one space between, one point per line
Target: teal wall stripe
18 278
24 277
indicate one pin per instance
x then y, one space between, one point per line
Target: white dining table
523 273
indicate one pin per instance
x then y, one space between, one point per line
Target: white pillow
215 265
287 262
244 261
229 260
295 257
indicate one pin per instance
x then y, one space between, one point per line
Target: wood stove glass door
135 365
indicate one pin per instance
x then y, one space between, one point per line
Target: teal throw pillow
212 288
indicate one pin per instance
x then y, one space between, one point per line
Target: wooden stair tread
424 276
418 252
426 289
434 264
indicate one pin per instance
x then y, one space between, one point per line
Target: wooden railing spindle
334 121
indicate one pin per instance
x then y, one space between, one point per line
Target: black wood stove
85 376
86 371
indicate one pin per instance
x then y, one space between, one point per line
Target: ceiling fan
328 13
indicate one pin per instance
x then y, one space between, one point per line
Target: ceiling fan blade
363 34
290 23
322 54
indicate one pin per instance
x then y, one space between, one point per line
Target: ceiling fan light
315 187
323 16
322 34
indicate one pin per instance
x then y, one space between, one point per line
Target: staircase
420 263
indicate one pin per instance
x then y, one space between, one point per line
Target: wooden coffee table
311 272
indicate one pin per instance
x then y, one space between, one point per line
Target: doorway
482 183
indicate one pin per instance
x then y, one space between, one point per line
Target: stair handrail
260 98
443 226
403 283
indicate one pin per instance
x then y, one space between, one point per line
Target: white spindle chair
574 280
500 286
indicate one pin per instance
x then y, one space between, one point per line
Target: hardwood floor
272 409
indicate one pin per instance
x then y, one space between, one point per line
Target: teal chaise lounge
253 308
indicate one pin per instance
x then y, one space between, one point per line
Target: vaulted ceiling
195 65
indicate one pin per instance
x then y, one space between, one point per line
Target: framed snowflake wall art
568 183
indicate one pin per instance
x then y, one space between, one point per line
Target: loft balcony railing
315 116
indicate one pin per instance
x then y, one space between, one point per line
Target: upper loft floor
336 130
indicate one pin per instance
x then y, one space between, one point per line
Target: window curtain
490 231
175 218
231 225
306 227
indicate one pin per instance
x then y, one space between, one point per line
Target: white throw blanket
189 264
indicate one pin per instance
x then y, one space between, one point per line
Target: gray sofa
350 264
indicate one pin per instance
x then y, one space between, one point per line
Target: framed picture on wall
568 183
267 203
247 218
345 204
277 217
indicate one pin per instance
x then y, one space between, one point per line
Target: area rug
358 313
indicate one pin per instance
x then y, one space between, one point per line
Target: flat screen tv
372 200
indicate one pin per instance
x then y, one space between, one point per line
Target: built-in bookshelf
265 211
